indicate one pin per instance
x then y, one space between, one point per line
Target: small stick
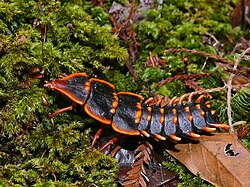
204 54
132 72
219 89
229 91
212 36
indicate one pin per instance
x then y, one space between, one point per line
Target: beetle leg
62 110
97 135
51 116
112 141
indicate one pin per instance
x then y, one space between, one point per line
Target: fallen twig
183 77
229 90
219 89
217 43
202 53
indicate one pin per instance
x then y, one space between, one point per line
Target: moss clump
77 38
75 42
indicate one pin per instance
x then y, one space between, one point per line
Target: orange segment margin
69 95
101 81
53 85
130 93
117 129
98 118
74 75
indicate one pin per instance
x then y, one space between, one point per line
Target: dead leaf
242 130
220 159
237 16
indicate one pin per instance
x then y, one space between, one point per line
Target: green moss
79 39
75 42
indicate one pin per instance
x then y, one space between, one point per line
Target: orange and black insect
128 114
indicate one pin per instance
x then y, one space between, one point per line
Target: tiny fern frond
241 104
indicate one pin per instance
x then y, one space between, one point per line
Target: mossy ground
79 39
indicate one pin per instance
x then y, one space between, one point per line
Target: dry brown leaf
242 130
237 13
220 159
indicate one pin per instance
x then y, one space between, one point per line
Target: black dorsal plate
144 123
209 117
185 126
199 122
169 125
100 100
155 125
124 118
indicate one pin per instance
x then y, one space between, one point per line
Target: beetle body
129 114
